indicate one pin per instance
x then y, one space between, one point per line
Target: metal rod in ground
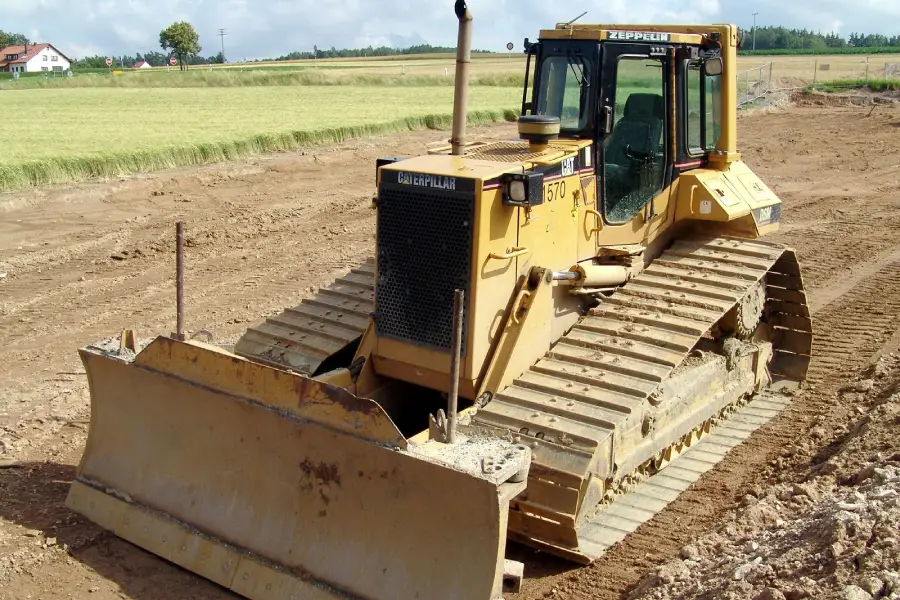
179 280
459 297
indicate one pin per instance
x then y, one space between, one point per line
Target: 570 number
555 190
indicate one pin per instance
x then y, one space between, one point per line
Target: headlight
517 191
522 189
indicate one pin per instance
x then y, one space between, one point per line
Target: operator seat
640 128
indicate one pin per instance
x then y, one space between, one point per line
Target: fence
756 78
754 83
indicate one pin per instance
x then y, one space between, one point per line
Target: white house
142 64
33 58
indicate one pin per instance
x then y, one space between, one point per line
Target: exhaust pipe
463 61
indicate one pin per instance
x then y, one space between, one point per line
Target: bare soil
83 262
836 534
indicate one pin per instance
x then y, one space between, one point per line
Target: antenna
576 18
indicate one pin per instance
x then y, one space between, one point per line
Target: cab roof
642 34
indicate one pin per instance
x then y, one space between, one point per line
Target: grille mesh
424 249
506 152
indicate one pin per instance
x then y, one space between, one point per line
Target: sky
270 28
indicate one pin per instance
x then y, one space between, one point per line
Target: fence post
771 64
815 71
867 70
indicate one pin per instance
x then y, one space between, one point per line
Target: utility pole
222 34
754 30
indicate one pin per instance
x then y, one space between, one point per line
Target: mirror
713 67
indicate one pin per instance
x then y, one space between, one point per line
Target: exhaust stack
463 60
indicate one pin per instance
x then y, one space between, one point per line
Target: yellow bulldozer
546 323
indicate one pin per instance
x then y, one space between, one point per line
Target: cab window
704 112
634 153
563 90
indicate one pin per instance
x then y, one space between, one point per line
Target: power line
222 34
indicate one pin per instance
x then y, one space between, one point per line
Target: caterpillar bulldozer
544 322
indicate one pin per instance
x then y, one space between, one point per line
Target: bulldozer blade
277 486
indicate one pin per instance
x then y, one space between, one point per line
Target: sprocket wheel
743 321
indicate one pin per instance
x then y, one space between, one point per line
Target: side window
704 109
634 153
713 92
695 109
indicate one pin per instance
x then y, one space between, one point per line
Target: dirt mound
835 534
850 98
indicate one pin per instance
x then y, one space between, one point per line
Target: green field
97 124
109 132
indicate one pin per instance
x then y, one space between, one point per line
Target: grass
97 125
841 85
429 70
112 132
265 76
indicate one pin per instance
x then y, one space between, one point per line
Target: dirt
83 262
833 534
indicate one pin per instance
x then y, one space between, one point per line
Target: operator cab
650 102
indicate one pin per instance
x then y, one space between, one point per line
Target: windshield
563 90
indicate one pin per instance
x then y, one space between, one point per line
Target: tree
8 38
182 39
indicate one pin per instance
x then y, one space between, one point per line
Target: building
142 64
33 58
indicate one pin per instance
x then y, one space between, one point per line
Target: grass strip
61 170
277 77
843 85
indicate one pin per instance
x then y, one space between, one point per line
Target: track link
301 338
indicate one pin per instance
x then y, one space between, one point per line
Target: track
247 221
576 407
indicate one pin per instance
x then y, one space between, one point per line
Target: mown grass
63 136
277 77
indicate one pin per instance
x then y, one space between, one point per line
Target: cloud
266 29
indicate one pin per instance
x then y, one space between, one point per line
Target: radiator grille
424 249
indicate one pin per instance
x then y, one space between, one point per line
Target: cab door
633 145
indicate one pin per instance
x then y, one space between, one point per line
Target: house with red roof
142 64
32 58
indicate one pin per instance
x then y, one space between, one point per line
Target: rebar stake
179 280
459 297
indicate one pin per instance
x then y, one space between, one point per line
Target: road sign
510 46
316 49
173 61
108 61
16 74
69 73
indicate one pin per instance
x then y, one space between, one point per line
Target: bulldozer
545 322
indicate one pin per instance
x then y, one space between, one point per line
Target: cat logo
568 167
765 214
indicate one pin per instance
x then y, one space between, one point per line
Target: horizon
258 32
